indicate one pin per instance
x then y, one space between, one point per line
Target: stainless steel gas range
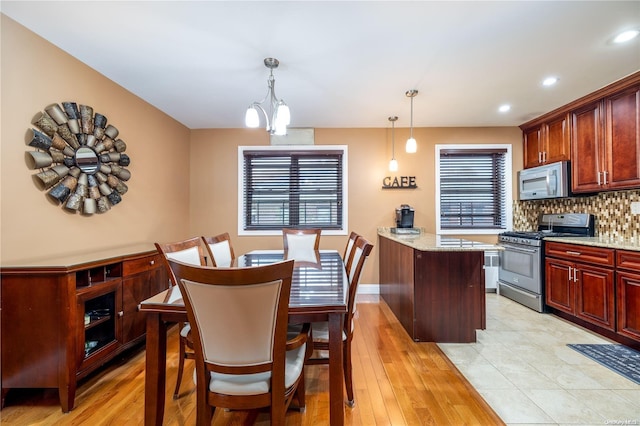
521 272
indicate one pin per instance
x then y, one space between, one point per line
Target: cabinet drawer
576 252
142 264
628 260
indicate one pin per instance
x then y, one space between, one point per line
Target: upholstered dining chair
348 250
189 251
239 320
320 330
300 243
220 250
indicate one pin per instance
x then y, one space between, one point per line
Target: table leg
155 373
336 393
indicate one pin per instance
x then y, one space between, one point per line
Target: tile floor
524 370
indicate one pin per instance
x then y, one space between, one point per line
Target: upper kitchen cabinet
623 138
587 145
599 133
547 141
605 143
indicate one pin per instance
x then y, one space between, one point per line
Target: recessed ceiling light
626 36
504 108
549 81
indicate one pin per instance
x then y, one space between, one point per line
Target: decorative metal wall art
82 163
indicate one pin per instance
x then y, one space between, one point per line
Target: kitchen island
434 285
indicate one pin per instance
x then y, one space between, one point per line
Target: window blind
292 189
472 190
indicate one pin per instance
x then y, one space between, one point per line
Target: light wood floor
396 382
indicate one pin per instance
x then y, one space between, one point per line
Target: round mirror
87 160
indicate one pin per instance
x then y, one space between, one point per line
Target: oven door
520 267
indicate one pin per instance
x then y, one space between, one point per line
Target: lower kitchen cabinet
579 288
65 318
628 292
559 288
595 286
595 296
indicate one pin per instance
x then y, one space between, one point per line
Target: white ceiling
346 64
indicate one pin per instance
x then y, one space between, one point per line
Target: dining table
319 292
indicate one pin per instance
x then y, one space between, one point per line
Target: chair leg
301 393
176 392
347 374
205 415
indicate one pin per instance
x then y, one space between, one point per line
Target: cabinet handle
570 277
599 183
573 253
153 262
539 157
604 174
120 314
544 156
575 275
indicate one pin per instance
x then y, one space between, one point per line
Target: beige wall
214 170
35 74
183 182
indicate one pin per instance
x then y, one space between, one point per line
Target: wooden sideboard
64 318
437 295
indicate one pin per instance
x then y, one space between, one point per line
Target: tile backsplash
611 209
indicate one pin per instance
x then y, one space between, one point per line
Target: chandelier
278 117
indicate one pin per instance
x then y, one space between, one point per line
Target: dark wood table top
319 283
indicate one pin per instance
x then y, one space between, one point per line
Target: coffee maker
404 216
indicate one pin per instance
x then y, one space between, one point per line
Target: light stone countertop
431 242
600 241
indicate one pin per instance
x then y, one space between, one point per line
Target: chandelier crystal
278 116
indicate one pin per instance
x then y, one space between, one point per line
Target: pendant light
393 164
412 145
278 117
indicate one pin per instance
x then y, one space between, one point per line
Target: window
473 189
291 187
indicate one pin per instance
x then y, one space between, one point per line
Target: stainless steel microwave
548 181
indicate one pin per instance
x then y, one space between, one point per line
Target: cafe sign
399 182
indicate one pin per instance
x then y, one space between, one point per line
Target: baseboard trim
368 289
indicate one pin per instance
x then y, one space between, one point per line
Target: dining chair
220 250
301 243
189 251
239 319
346 257
320 330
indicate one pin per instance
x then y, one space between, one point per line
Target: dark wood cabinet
559 289
547 142
622 139
628 293
605 143
587 147
143 278
64 319
580 281
438 296
599 133
532 139
596 287
595 295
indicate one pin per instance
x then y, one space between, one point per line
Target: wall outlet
635 207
